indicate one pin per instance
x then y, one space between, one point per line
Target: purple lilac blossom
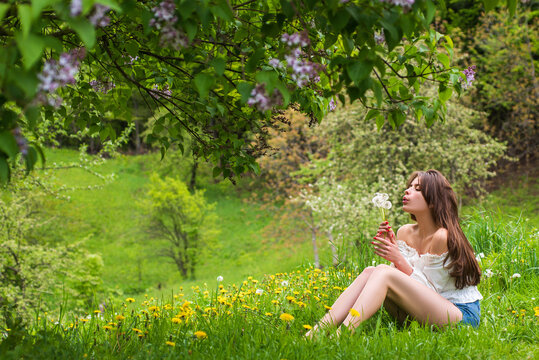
165 20
75 8
99 17
59 73
332 105
260 99
470 76
164 13
157 93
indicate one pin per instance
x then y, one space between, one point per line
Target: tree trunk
333 249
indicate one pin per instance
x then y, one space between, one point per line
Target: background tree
218 68
183 220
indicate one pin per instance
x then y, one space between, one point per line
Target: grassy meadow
270 294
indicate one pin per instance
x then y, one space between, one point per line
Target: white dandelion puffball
284 283
515 275
381 200
259 291
488 273
219 278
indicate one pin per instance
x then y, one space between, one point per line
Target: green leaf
203 83
284 91
8 144
270 78
359 70
216 171
31 48
218 65
4 171
111 4
31 159
444 59
380 121
84 29
253 61
372 113
191 29
39 5
32 114
223 11
25 15
490 4
26 81
245 88
445 94
3 9
431 11
132 48
512 6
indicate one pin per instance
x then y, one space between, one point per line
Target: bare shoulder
439 242
405 231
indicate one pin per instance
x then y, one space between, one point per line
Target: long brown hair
442 202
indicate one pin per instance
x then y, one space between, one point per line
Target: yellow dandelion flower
153 308
97 311
308 327
354 313
137 330
316 298
536 310
106 327
175 320
200 334
170 343
129 300
141 335
327 307
84 320
290 298
286 317
119 317
268 314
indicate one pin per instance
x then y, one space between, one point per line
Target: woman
433 274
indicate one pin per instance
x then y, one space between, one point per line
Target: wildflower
327 307
488 273
479 256
219 278
470 76
286 317
275 302
268 314
170 343
308 327
119 317
200 334
284 283
536 310
107 327
259 291
354 313
515 275
176 320
97 311
332 105
137 330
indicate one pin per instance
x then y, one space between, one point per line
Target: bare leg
420 302
339 309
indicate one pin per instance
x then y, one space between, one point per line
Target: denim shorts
470 313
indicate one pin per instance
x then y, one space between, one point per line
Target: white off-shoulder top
429 270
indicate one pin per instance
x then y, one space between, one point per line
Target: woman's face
413 201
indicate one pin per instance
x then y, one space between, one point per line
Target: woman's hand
386 231
387 249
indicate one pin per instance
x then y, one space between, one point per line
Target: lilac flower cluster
56 74
59 73
75 8
262 101
165 20
102 86
303 71
470 76
332 105
99 17
406 4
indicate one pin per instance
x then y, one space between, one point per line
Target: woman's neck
425 224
